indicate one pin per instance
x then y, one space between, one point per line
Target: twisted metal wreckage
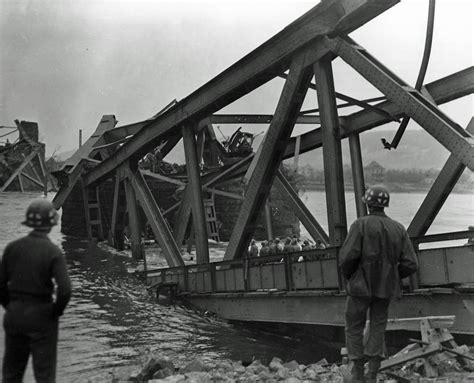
22 162
265 289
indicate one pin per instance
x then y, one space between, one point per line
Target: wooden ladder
93 212
211 220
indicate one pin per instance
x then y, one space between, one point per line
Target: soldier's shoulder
397 224
17 242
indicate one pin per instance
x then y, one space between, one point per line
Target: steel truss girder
133 220
112 241
18 171
256 119
438 193
446 89
332 153
194 183
255 69
302 212
230 172
155 219
412 102
73 166
358 179
271 154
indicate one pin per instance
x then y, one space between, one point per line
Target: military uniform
27 269
376 254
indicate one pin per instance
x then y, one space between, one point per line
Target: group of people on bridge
277 246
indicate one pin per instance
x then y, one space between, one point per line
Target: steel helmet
376 195
41 214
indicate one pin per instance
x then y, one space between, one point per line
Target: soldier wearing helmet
376 254
27 270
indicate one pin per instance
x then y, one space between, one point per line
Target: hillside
417 150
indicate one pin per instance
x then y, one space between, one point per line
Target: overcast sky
65 63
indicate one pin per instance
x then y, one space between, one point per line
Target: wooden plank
415 354
271 154
255 69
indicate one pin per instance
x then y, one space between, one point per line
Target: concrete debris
435 367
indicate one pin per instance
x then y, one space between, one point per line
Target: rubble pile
417 362
197 371
425 362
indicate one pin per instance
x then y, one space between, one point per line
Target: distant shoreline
394 188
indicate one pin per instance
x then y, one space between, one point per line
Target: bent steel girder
194 185
412 102
302 212
155 218
421 74
73 167
258 67
271 153
444 90
438 193
332 153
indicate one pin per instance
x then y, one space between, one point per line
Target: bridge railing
447 265
310 269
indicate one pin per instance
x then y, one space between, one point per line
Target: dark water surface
112 321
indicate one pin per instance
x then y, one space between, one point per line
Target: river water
112 321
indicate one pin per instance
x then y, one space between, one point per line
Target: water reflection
113 321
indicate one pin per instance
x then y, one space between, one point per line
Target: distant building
375 172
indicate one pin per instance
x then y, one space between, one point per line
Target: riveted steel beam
73 167
18 171
332 154
255 119
358 179
332 17
438 193
194 183
412 102
181 220
446 89
155 219
133 220
271 153
113 222
299 208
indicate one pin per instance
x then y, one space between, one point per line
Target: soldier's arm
408 263
351 251
63 283
4 298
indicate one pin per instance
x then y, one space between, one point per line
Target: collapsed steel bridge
267 289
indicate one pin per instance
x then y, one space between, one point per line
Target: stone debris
160 369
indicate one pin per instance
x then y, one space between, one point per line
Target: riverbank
393 187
